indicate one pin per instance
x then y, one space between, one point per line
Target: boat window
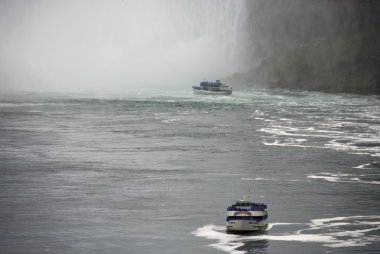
255 218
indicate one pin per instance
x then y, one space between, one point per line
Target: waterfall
121 44
220 20
192 38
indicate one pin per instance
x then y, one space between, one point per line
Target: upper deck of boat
247 206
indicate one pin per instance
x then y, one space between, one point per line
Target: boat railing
252 218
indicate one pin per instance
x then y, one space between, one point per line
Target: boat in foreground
212 88
246 216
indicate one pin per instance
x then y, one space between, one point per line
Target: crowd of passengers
254 207
211 84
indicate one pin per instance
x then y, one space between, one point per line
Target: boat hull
246 226
207 92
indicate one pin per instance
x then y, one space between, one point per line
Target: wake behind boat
210 88
246 216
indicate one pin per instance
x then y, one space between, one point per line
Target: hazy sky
93 45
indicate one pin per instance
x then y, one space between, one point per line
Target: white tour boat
212 88
246 216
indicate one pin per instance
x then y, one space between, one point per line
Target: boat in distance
245 216
212 88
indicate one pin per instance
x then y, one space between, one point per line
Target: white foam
272 225
293 143
171 120
333 233
327 178
341 178
226 242
335 131
316 238
362 166
354 146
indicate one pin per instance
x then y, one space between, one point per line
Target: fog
114 45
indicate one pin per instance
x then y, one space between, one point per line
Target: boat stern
246 226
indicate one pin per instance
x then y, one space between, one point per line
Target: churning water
154 173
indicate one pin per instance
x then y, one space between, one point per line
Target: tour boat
211 88
246 216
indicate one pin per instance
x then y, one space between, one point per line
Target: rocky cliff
323 45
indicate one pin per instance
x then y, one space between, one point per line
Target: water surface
154 172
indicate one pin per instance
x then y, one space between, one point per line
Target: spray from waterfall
104 45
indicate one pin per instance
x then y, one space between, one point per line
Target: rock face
323 45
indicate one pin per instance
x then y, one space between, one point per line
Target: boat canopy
243 202
211 84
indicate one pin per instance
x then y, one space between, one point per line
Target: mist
76 46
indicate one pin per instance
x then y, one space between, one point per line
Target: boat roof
243 201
